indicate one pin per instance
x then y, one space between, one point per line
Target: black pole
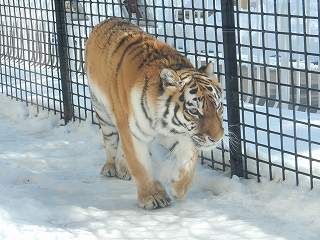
63 58
232 88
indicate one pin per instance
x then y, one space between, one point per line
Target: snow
51 189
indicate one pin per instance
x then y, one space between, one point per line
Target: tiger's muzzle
206 142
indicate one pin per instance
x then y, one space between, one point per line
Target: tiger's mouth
204 144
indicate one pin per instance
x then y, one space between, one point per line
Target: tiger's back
140 88
132 56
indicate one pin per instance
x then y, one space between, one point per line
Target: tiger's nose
216 138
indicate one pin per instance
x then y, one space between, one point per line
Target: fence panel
277 58
29 58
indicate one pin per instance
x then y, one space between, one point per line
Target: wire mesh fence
278 47
29 58
265 54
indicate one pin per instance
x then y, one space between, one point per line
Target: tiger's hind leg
115 164
111 140
122 170
110 135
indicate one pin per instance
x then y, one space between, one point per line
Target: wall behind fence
273 63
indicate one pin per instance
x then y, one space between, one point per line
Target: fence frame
63 57
232 86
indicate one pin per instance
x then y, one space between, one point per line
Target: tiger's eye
193 111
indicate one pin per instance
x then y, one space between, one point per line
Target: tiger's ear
168 78
207 69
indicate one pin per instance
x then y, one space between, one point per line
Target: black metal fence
265 53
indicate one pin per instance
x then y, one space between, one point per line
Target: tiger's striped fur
142 88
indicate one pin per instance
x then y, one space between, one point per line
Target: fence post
63 59
232 88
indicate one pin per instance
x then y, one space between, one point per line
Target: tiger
142 89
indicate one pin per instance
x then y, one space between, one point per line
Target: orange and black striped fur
142 88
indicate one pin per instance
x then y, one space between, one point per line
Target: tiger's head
191 105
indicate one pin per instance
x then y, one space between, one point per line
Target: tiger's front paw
154 199
109 170
179 189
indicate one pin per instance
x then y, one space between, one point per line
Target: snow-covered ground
50 188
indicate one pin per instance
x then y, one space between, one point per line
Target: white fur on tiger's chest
142 116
